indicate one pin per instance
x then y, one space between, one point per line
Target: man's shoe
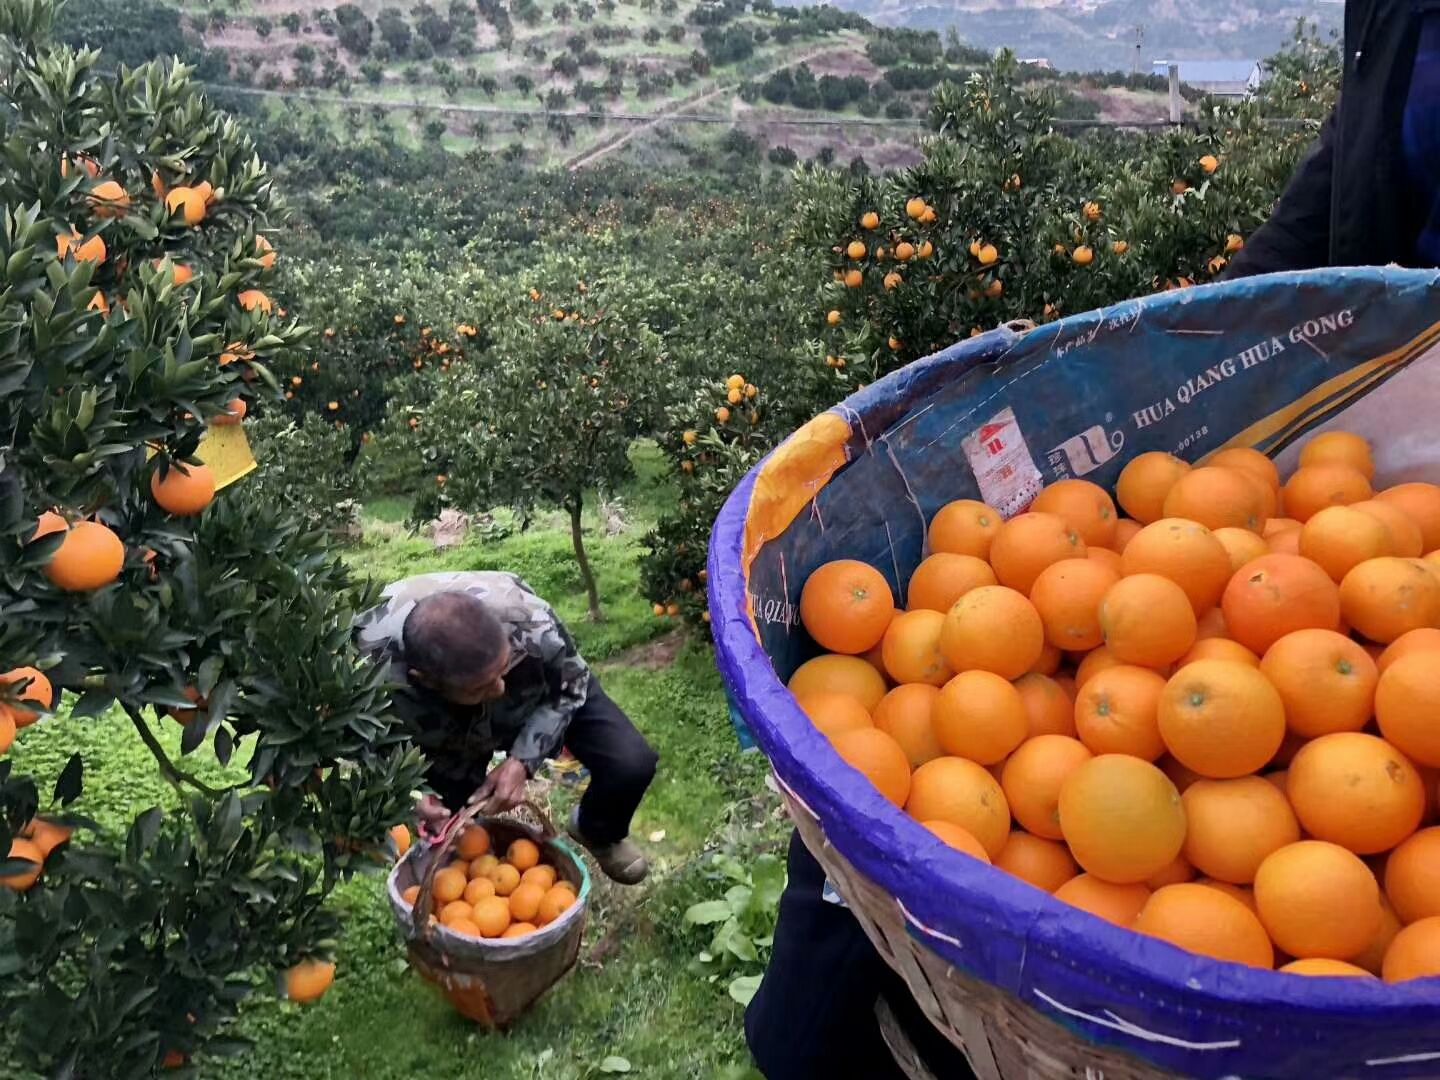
622 862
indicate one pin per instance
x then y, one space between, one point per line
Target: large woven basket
491 981
1027 987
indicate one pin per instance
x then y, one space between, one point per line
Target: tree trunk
577 537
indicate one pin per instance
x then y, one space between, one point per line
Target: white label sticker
1002 464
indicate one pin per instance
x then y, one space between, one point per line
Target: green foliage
306 466
743 922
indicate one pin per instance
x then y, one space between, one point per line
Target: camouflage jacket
547 681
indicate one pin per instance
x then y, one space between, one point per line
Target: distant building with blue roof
1221 78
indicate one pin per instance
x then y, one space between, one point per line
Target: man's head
455 646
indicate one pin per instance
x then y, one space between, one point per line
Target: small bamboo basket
492 981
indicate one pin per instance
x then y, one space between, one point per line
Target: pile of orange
479 894
1214 720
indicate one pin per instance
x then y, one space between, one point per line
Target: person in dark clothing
1368 193
483 664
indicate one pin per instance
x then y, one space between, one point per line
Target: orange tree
133 313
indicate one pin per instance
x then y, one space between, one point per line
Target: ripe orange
1318 900
1326 681
465 928
840 675
555 903
506 879
879 759
846 606
960 839
979 715
184 490
1121 817
1147 620
479 888
1106 558
1067 597
963 793
1205 921
1119 904
1218 648
1216 498
482 866
401 835
1046 864
542 875
1095 661
905 715
90 557
964 527
1234 825
944 577
1284 542
46 835
833 714
473 843
1221 719
1407 707
910 649
1339 448
994 629
1245 895
1030 542
1339 538
308 980
1415 952
1049 710
1125 531
1145 482
1384 598
1426 639
525 902
1246 459
188 202
23 880
1186 553
1032 778
1412 876
1049 662
1087 508
1373 958
492 916
1275 595
1116 712
1312 488
1174 872
523 854
1421 502
1404 536
36 689
410 895
456 909
519 929
449 885
1322 967
1241 545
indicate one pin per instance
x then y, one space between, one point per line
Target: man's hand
432 813
503 788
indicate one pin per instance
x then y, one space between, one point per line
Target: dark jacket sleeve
1297 236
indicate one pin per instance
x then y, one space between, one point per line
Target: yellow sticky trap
226 450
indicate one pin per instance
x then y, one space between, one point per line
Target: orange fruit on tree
979 715
1384 598
1339 448
1247 460
456 909
1321 967
1425 639
905 715
554 904
1067 597
1275 595
519 929
1339 538
833 714
1049 710
543 875
1415 952
1421 502
1311 488
1186 553
473 843
992 628
1412 876
1221 719
1325 679
1373 958
7 730
943 578
846 606
1218 648
492 916
35 688
963 793
878 758
1032 778
505 877
911 649
1046 864
525 902
1087 508
1241 546
1233 825
1216 498
1318 900
523 854
23 880
1207 922
964 527
1116 712
477 889
1028 543
1145 482
188 202
1122 818
90 557
1118 904
1147 620
840 675
449 885
1403 534
308 980
267 252
184 490
961 839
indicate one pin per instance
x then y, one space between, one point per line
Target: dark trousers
814 1014
620 761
